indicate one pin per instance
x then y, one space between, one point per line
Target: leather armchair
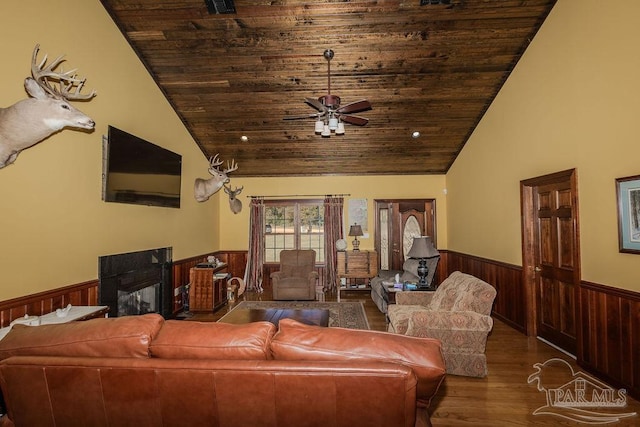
297 277
457 313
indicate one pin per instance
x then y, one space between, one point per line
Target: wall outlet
177 291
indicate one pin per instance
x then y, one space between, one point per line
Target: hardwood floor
503 398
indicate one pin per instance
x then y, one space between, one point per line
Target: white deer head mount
205 188
48 111
234 203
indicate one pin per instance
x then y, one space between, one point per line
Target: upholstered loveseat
145 371
458 314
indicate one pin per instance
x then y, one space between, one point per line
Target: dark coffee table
318 317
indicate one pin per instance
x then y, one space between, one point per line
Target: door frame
431 222
528 215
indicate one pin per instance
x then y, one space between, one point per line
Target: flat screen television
138 172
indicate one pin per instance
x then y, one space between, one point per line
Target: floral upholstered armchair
458 313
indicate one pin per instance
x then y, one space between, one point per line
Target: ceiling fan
331 116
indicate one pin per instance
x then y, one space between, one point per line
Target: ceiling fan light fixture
331 115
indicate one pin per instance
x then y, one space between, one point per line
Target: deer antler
231 192
67 81
214 162
231 167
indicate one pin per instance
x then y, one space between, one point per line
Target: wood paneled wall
509 305
45 302
236 262
87 293
610 335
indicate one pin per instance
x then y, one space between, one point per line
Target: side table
390 292
75 313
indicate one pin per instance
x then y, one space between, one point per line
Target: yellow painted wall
53 222
572 102
234 235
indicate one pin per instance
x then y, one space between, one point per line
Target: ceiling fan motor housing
330 101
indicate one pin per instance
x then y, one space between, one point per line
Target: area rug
341 314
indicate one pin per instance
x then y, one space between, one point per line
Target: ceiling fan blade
355 107
354 120
306 116
315 104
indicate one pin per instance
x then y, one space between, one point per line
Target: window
293 224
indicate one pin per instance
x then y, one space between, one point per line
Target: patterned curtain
255 258
332 233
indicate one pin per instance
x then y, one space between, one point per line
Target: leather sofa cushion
184 339
127 336
297 341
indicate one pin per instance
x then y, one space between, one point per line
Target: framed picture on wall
628 195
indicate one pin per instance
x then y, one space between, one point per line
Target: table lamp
356 230
422 249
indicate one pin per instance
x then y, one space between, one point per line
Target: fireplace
136 283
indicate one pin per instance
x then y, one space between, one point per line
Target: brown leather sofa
145 371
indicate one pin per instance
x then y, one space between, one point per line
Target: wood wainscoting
609 342
86 293
509 305
45 302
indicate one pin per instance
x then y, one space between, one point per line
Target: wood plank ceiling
434 69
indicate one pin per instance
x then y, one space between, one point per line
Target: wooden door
551 256
398 221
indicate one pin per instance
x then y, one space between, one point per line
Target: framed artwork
358 213
628 195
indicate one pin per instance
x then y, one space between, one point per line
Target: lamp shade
340 130
319 126
355 230
422 248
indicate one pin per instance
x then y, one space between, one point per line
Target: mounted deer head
234 203
205 188
48 111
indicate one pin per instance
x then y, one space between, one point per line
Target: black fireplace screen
136 283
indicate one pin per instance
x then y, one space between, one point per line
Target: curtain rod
299 195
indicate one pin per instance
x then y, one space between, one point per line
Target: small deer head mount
205 188
234 203
48 111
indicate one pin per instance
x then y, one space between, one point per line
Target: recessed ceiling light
415 134
244 138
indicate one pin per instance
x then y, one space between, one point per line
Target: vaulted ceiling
432 68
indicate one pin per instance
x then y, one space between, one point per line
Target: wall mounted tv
139 172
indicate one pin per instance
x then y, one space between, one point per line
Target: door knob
537 269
